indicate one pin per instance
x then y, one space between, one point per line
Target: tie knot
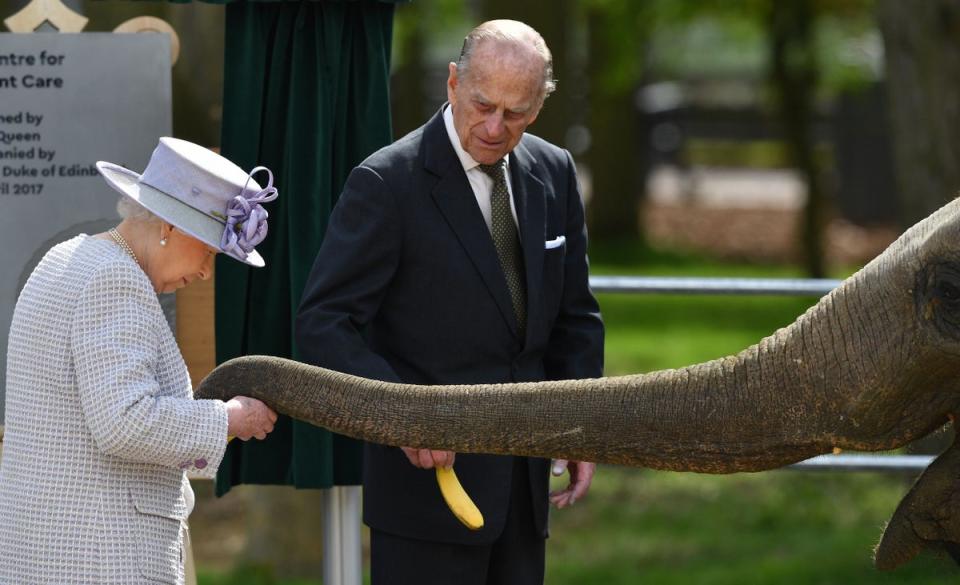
493 170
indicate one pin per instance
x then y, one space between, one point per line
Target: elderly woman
101 424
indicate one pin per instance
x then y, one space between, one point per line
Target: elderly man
457 255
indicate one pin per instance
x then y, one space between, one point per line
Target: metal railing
812 287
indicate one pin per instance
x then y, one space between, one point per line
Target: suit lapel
528 196
456 201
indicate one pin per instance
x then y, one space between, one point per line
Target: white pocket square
554 243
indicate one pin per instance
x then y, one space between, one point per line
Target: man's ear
452 82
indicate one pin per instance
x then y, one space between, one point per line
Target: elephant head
874 365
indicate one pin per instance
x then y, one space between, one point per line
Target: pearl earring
163 241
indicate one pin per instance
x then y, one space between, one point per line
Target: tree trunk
922 44
616 163
794 72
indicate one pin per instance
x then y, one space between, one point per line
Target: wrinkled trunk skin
872 366
693 419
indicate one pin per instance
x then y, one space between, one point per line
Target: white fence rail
809 287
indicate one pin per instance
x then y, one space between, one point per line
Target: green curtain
305 94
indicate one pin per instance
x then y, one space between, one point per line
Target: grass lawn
652 332
780 527
783 527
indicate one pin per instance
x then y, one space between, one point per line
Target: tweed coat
101 426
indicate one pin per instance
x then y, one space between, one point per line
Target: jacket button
200 463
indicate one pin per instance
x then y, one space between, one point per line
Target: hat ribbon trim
246 224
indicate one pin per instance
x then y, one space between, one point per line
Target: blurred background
787 138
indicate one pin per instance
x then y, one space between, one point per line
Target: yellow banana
457 499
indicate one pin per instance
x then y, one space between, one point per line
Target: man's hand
581 474
429 458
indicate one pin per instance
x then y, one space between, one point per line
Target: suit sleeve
358 258
114 343
575 348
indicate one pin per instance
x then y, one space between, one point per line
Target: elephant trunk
831 379
761 409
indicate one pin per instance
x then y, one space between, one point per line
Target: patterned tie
507 241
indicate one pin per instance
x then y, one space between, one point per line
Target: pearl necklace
115 235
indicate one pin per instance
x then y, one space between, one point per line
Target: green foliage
443 23
754 154
631 257
710 38
710 44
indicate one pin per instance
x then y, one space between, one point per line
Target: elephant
874 365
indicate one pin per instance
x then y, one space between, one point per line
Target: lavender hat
202 194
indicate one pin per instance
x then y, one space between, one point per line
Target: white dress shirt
480 182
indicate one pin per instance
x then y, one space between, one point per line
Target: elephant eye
938 296
949 291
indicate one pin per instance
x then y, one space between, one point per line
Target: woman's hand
248 417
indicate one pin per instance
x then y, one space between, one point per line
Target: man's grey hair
130 209
509 32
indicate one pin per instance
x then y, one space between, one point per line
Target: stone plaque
67 101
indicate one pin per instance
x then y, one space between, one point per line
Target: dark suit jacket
407 287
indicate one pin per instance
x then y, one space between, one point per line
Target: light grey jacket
101 425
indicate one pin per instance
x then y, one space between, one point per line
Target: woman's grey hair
509 32
130 209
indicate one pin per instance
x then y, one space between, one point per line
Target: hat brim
187 219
